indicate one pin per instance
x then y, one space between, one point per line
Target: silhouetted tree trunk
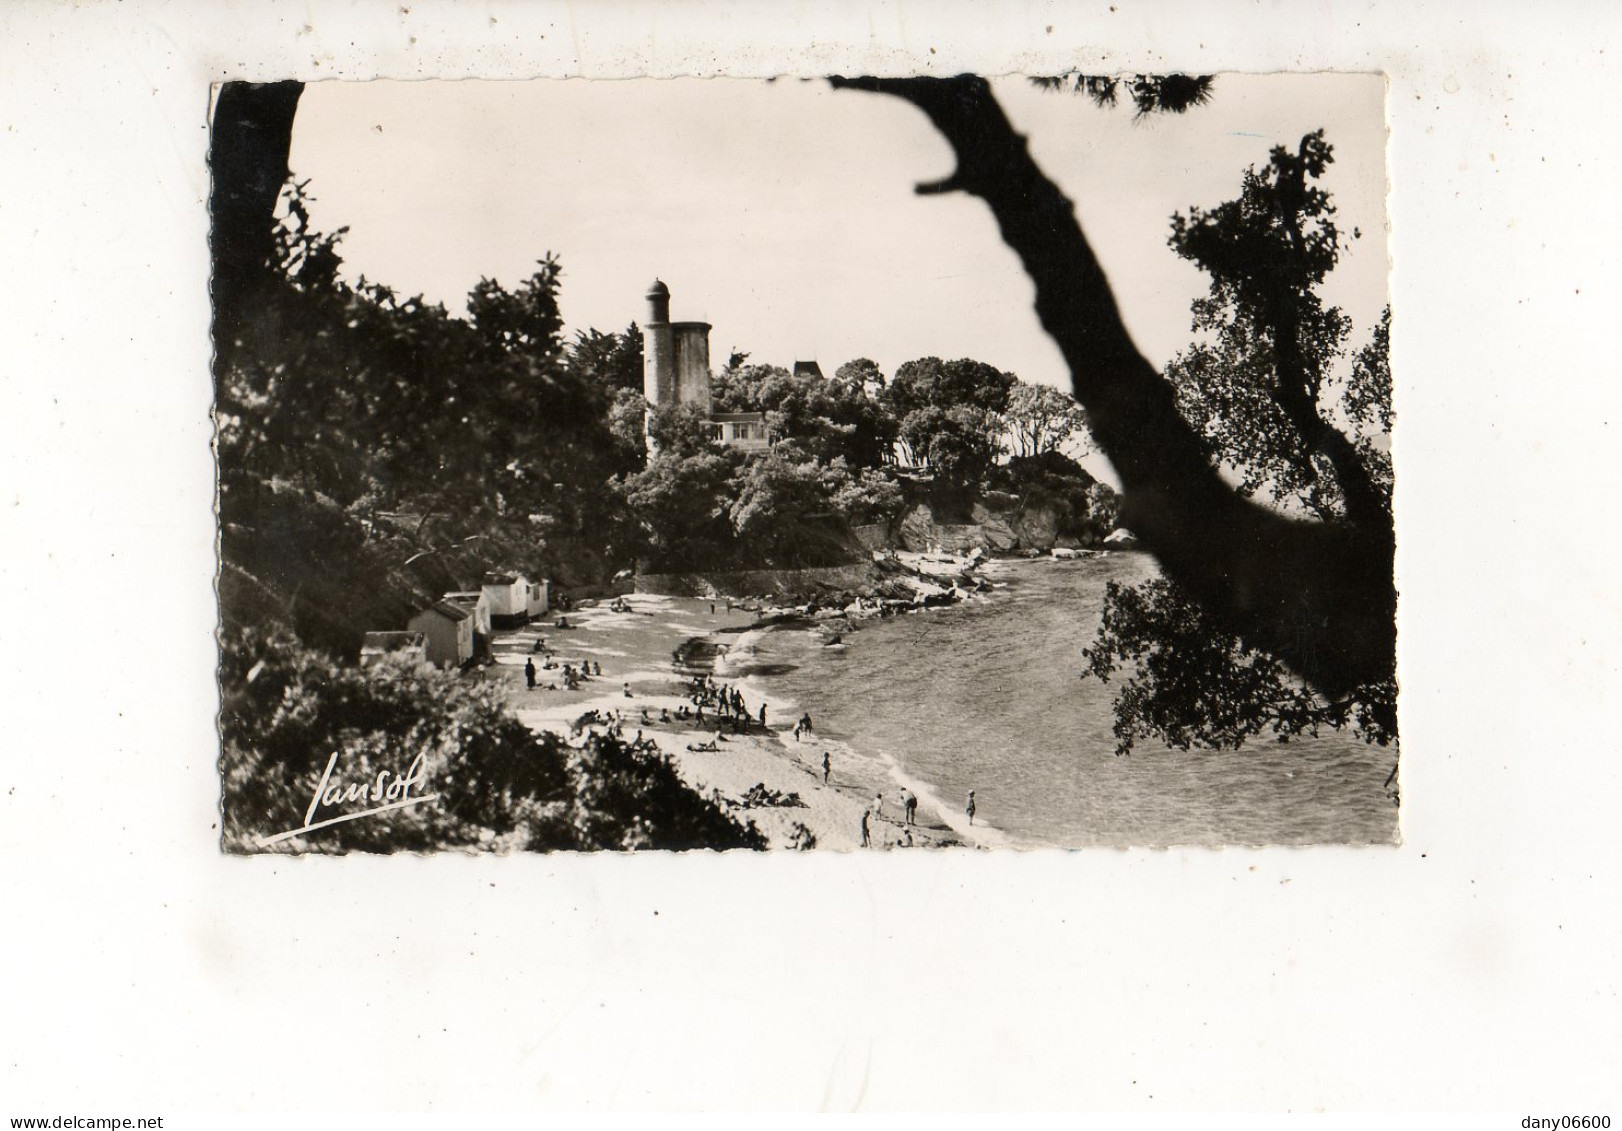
248 146
1319 596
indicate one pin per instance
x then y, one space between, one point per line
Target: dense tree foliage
1256 386
949 415
614 360
929 381
1084 509
864 373
1042 419
682 499
1266 387
396 404
830 419
704 505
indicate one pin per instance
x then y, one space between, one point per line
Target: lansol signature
393 790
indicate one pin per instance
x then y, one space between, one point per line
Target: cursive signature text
390 788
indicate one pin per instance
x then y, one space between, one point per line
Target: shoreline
636 651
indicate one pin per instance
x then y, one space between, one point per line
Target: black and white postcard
839 463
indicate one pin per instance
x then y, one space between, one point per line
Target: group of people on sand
726 702
621 605
909 812
875 812
569 674
728 705
613 724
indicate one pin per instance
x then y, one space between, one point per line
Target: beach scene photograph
867 464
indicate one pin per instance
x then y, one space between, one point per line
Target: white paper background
1475 967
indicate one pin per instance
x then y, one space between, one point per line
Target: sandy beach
635 650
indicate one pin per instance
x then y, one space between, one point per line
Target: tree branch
1318 596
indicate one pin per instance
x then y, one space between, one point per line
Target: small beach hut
376 645
447 631
508 597
478 606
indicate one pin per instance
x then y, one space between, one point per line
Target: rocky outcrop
998 523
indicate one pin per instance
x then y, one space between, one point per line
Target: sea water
989 695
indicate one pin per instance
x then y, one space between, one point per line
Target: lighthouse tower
675 356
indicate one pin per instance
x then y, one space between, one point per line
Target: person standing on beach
827 767
909 804
969 808
878 804
805 722
866 840
529 673
763 715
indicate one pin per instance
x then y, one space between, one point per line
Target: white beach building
507 594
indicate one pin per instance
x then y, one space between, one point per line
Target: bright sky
784 212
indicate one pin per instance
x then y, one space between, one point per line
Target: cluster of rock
904 585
